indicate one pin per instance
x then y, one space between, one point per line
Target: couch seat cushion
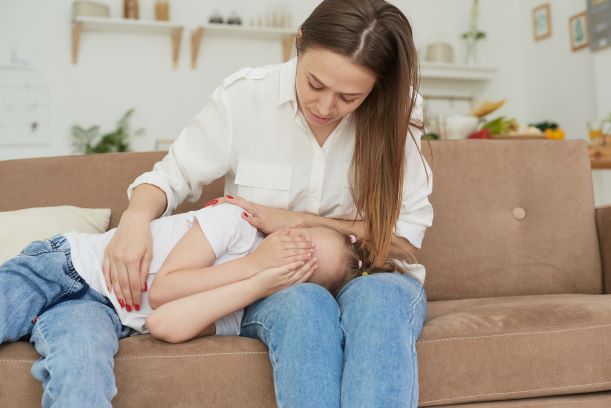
514 347
212 371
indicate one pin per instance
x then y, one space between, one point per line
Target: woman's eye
348 100
314 88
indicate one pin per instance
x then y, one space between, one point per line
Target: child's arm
188 268
191 316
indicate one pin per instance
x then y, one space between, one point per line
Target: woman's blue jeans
74 328
356 350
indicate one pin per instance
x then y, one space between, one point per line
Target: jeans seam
267 330
272 357
42 337
414 369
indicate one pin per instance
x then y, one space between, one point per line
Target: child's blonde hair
357 261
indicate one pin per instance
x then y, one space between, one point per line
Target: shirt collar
286 91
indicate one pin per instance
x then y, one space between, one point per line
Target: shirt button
519 213
315 195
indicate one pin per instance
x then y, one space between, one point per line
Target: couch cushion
511 218
504 348
212 372
591 400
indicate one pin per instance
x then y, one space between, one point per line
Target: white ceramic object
460 126
440 52
89 9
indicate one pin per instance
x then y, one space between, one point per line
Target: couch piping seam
190 355
17 361
514 334
160 356
515 392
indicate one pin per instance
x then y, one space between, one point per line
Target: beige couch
518 262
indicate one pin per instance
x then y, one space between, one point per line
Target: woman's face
330 86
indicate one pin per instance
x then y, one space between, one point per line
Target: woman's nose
325 105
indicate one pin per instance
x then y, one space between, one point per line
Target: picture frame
599 22
542 21
578 31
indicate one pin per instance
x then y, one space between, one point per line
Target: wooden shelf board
130 25
247 31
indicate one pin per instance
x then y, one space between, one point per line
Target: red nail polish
244 213
128 307
229 197
137 307
146 287
122 303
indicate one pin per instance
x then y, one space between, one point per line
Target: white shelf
454 81
80 24
430 70
287 36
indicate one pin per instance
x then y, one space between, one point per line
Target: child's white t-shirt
229 235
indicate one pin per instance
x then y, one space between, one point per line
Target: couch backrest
511 217
93 181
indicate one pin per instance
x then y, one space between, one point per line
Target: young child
207 265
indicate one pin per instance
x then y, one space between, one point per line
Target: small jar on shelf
131 9
162 10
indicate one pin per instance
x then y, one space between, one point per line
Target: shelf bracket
176 36
196 39
76 39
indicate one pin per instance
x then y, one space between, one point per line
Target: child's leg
77 341
31 282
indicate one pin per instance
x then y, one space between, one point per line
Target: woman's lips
318 119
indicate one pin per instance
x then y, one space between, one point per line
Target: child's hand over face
281 248
276 278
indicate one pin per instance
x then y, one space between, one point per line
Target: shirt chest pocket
264 183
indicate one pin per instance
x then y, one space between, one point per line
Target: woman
330 138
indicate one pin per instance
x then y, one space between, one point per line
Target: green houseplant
88 141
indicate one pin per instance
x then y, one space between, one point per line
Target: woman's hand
273 279
264 218
282 247
127 259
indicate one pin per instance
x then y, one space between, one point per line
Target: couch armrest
603 225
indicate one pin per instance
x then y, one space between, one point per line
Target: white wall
117 71
568 87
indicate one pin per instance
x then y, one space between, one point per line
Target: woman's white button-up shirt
251 132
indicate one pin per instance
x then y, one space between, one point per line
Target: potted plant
88 141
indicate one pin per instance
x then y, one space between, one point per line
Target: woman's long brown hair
377 36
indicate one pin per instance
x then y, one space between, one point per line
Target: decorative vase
471 51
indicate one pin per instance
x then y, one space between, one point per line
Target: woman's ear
298 41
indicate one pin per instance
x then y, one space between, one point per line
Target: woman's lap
365 336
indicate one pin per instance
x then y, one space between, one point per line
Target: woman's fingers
106 270
252 220
115 283
124 283
135 283
145 265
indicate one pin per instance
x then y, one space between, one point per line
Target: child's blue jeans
73 327
358 350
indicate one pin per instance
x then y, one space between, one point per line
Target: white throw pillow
19 228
